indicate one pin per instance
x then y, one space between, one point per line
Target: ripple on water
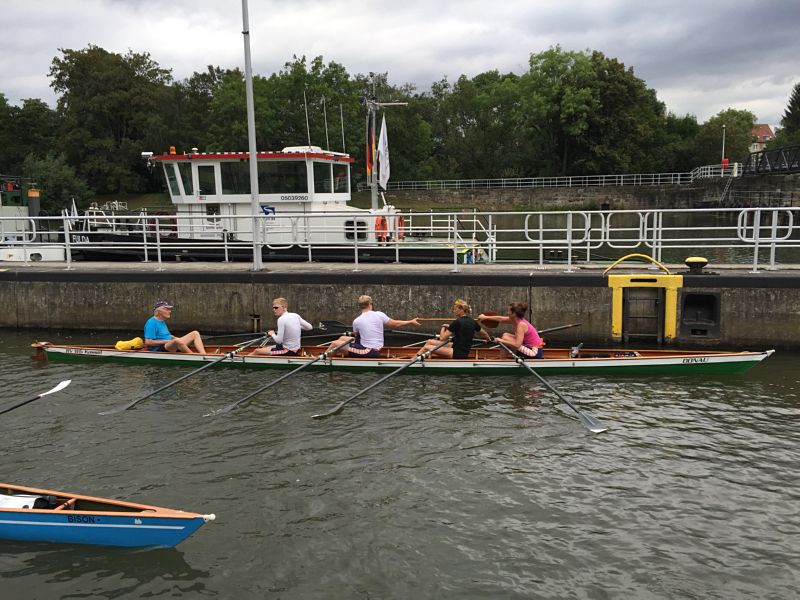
467 487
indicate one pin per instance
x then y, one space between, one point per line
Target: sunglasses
276 307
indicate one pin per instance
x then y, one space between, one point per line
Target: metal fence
755 237
580 181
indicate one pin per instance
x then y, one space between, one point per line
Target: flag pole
372 108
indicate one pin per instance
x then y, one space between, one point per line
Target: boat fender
133 344
401 227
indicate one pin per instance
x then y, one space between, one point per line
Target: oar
322 356
559 328
588 420
417 333
321 335
338 408
195 372
334 324
58 388
230 335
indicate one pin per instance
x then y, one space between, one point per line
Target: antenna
308 127
341 117
325 115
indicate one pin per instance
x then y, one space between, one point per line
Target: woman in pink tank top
525 340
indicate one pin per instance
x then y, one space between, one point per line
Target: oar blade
334 411
59 387
591 423
114 411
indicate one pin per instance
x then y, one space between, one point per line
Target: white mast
251 137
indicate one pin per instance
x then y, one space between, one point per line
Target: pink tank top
531 339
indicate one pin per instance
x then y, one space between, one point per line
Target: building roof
762 133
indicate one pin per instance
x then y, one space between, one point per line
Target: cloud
701 57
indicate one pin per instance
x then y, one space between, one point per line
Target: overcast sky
701 56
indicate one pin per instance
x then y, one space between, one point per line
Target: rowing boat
481 360
35 515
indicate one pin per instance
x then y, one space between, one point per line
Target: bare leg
177 345
445 351
263 351
510 340
341 340
183 343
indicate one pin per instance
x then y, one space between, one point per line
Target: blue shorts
357 350
279 350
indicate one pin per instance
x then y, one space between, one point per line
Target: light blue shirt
155 329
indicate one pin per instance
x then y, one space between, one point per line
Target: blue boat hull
103 529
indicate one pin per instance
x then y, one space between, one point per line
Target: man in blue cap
157 337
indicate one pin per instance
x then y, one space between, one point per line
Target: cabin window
235 177
169 171
355 226
282 177
206 180
340 183
323 177
185 169
212 213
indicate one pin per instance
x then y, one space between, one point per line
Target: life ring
401 227
381 229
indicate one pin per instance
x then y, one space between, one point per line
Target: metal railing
580 181
778 161
751 236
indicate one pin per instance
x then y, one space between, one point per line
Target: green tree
57 182
623 128
24 130
558 100
708 141
672 150
7 138
189 109
791 117
789 132
112 107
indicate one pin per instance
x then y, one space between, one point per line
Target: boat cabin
213 189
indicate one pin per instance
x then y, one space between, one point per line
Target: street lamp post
723 142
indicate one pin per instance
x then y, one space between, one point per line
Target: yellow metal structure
669 282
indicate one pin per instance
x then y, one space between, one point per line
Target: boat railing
765 236
16 230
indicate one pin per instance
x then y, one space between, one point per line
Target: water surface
427 487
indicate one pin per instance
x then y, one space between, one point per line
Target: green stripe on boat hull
637 366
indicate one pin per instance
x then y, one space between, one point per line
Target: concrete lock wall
754 310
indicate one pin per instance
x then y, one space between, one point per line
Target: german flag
370 150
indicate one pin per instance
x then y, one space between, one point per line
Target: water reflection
36 570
